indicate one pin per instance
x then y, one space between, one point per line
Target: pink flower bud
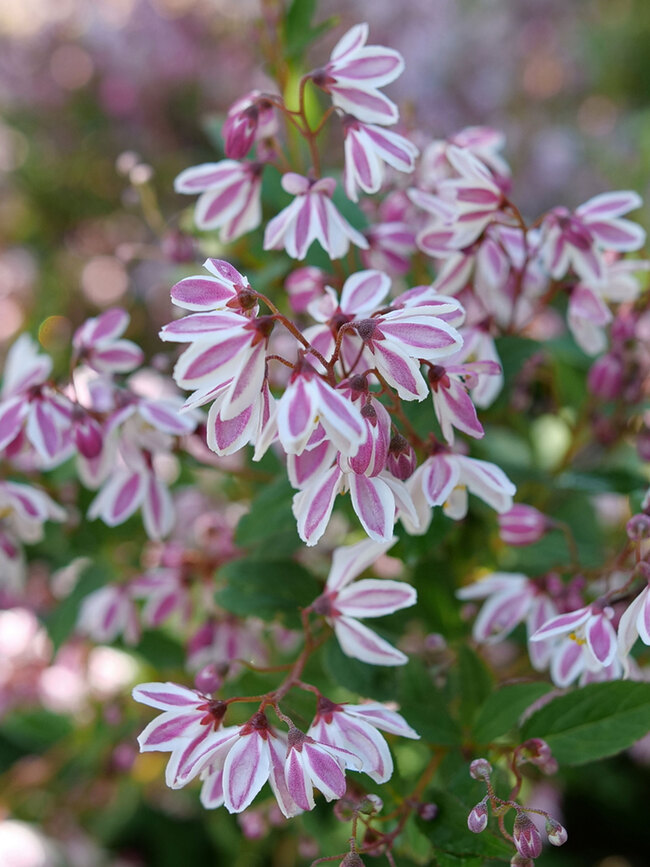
557 834
428 812
478 818
605 378
88 437
519 861
480 769
208 679
402 459
527 838
638 527
522 525
371 804
352 859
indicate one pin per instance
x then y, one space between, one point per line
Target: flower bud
371 804
527 838
478 818
88 437
522 525
605 378
402 459
352 859
208 679
480 769
557 834
638 527
519 861
428 812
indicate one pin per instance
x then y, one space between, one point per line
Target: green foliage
593 722
502 709
299 32
266 589
269 528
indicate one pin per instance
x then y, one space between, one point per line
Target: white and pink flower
367 149
99 344
343 603
312 216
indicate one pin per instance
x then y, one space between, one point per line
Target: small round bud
522 525
208 679
428 812
605 378
352 859
527 838
478 818
480 769
638 527
556 833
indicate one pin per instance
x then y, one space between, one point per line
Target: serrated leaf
593 722
502 709
266 588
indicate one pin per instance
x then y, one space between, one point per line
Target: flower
230 197
634 623
97 343
343 602
309 763
354 74
576 240
312 216
451 402
355 728
107 613
249 119
367 147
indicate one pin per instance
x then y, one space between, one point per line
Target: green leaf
475 682
35 729
443 859
502 709
160 650
266 588
591 723
424 707
270 525
298 30
371 681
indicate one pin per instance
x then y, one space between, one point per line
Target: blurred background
103 102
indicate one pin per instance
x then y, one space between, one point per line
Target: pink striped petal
439 479
157 509
607 206
245 771
401 371
364 291
375 597
562 624
601 637
298 780
361 739
168 730
359 642
374 505
202 293
199 325
324 771
312 507
166 696
12 415
42 430
567 663
350 561
382 717
212 795
119 356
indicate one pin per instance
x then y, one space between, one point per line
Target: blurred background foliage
102 103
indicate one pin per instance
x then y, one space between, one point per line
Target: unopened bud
519 861
527 838
522 525
402 459
208 679
638 527
371 804
556 833
480 769
537 752
428 812
478 818
605 378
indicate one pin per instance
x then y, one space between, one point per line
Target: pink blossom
305 285
522 525
230 197
226 642
28 403
511 599
592 644
250 118
355 728
451 402
445 479
312 216
225 289
165 593
344 602
355 73
482 142
577 240
97 343
390 247
109 612
309 763
367 148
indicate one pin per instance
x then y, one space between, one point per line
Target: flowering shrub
394 328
